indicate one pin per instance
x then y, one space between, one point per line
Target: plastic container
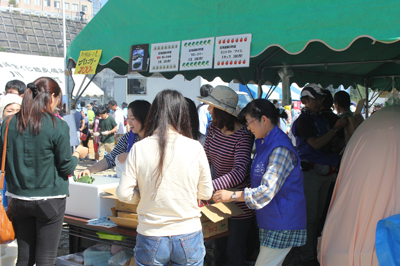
108 236
84 199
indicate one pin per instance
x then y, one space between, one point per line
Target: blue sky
103 2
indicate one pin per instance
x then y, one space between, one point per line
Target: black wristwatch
334 129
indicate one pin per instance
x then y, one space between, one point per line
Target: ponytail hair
36 103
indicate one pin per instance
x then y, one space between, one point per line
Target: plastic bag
97 255
121 257
387 241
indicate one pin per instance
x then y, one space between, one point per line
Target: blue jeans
185 249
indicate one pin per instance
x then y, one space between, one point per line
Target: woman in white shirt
167 173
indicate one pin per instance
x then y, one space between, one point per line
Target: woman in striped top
137 113
228 148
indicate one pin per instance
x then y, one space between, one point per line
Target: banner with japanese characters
197 54
232 51
88 62
164 57
28 68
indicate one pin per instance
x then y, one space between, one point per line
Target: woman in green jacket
38 163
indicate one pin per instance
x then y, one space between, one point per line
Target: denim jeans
185 249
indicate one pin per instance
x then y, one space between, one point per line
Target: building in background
96 6
74 9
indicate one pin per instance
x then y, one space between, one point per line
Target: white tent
27 68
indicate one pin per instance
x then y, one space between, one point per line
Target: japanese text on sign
164 57
87 62
232 51
197 54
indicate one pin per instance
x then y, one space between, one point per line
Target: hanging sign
87 62
197 54
164 57
138 58
232 51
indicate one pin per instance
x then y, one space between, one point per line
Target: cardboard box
214 219
120 221
125 207
85 199
128 215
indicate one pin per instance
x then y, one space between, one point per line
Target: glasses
248 123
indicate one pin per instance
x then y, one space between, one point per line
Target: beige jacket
172 209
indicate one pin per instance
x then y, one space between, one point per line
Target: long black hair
36 103
169 108
194 118
140 109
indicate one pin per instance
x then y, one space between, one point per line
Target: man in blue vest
318 162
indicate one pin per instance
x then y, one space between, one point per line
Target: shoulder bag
6 228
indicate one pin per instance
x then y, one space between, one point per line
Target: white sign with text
164 57
232 51
197 54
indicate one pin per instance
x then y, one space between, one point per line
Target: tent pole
358 89
241 76
271 90
86 86
80 87
367 97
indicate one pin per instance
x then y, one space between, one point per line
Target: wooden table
78 229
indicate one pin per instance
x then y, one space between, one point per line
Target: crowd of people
176 158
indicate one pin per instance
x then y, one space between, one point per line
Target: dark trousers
231 249
37 226
316 189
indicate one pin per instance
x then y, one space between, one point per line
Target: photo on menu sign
138 58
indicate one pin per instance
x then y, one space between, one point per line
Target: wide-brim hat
312 90
223 98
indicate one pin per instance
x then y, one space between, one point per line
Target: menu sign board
232 51
138 58
164 57
197 54
88 62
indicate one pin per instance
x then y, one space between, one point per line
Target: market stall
316 41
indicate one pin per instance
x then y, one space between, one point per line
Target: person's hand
83 151
223 196
105 133
84 172
341 123
122 157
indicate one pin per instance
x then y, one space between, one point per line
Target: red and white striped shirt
230 160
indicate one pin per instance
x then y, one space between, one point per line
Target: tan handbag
6 228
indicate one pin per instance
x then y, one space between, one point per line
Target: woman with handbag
38 162
169 172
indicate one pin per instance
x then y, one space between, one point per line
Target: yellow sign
87 62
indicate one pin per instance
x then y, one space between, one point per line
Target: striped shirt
121 147
281 162
230 159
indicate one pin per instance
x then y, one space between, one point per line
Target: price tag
164 57
87 62
232 51
197 54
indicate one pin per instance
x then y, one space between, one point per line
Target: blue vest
306 151
287 210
